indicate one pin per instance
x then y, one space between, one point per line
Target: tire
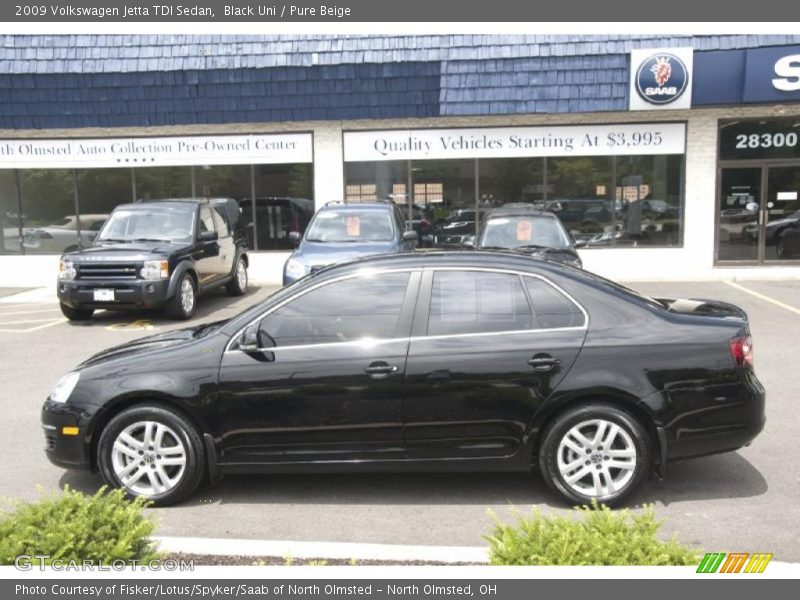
166 481
238 285
781 249
76 314
558 450
178 307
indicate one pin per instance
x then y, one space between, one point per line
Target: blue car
340 232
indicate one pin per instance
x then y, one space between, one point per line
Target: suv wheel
153 452
183 302
76 314
595 452
238 285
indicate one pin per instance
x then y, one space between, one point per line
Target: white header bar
156 151
508 142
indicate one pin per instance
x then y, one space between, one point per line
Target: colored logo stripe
713 562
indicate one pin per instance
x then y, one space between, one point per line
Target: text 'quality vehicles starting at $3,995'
426 362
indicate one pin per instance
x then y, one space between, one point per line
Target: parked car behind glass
62 235
420 362
340 232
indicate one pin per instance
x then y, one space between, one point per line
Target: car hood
152 343
315 254
567 256
118 252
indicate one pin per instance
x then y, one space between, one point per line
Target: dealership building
666 157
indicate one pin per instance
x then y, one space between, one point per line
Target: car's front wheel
183 302
151 451
76 314
595 452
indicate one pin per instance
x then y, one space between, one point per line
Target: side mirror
208 236
469 242
294 236
581 243
410 236
248 342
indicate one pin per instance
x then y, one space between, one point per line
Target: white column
328 163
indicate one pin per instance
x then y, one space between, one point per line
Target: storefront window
9 214
49 222
507 180
603 201
580 194
153 183
99 192
283 203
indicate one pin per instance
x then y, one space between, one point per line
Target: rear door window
464 302
551 308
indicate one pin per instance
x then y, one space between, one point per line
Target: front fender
183 267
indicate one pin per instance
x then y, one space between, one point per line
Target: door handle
544 362
379 370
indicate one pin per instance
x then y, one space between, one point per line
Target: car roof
369 205
519 211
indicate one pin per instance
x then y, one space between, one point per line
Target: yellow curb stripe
764 298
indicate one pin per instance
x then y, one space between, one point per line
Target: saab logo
788 71
741 562
661 78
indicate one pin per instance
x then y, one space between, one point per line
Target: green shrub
72 526
598 536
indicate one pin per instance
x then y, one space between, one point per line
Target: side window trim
422 312
402 330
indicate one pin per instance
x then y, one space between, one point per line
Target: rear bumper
128 294
725 427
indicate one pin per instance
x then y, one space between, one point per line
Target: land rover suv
159 254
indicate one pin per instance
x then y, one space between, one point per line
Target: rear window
522 231
351 226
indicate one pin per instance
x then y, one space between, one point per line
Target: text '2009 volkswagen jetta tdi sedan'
436 361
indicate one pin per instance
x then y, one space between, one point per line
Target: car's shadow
216 303
723 476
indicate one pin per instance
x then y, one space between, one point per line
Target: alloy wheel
187 295
241 275
148 458
596 458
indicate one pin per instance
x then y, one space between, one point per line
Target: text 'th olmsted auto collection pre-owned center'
666 157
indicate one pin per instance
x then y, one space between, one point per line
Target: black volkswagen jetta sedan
429 362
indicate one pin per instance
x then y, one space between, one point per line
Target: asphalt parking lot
745 501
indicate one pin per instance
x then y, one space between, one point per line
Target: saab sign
754 76
661 78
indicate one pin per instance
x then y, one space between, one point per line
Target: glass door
782 214
739 218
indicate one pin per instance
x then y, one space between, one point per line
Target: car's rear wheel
595 452
76 314
183 302
153 452
238 285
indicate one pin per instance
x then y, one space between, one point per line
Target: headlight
64 387
155 269
294 268
66 270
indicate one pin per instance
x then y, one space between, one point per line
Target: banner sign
509 142
156 151
661 78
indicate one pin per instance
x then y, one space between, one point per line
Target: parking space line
3 313
764 297
26 321
48 323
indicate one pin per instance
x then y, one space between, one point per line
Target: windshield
351 226
162 224
519 232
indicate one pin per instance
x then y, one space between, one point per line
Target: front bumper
127 294
67 451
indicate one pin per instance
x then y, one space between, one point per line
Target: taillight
742 351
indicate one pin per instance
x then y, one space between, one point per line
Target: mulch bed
210 559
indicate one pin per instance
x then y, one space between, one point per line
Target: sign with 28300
760 139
